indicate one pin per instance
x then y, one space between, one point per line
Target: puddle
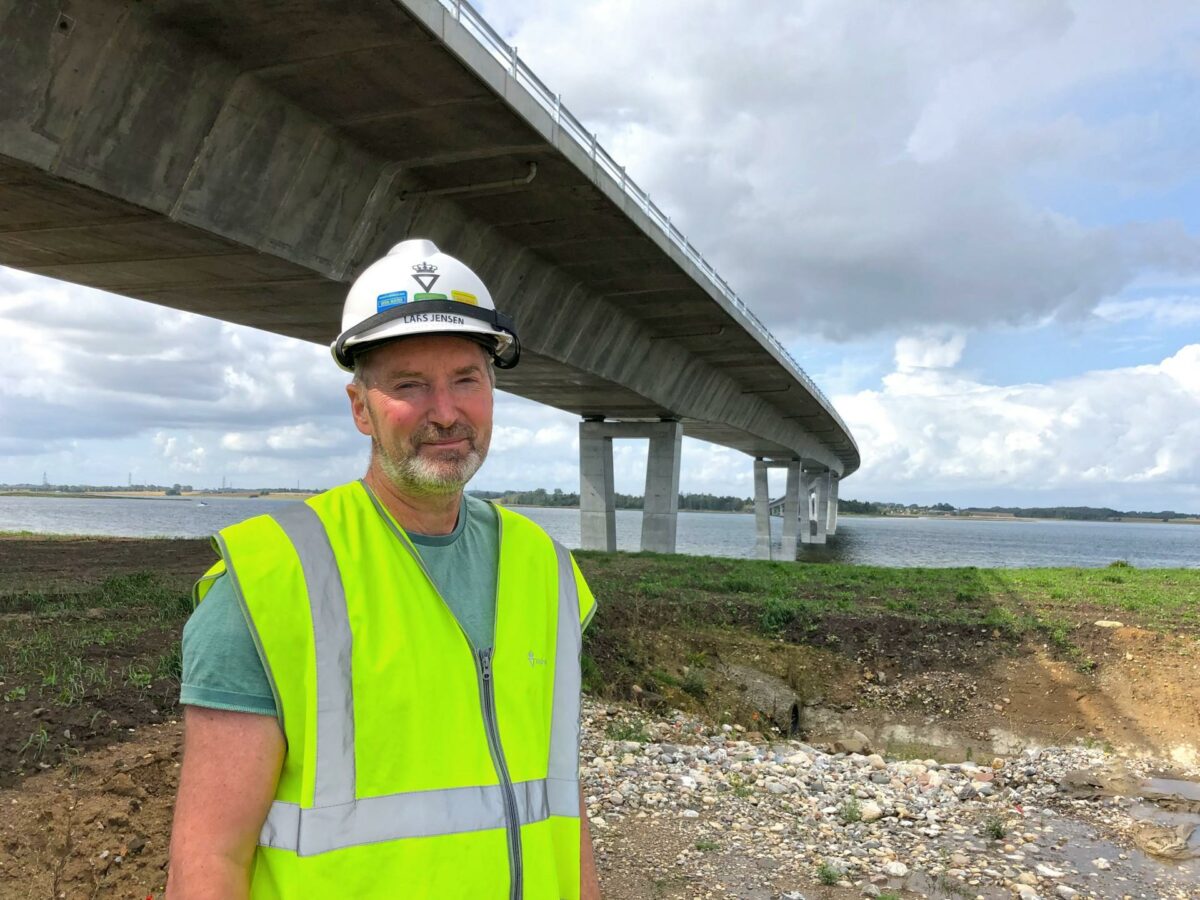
1138 870
1176 787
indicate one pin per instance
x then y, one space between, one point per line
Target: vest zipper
487 697
511 817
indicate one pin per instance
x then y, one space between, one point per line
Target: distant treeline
1083 513
1080 513
559 497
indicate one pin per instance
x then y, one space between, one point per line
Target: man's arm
231 763
589 888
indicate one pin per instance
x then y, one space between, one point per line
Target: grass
828 875
627 730
741 788
87 653
705 845
642 595
995 828
850 811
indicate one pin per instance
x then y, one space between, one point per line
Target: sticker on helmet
387 301
417 297
464 297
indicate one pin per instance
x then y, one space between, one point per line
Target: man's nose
443 411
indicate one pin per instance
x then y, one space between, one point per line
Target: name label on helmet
387 301
442 318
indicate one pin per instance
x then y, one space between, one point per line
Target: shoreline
305 495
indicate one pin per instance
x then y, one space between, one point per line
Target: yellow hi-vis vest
415 767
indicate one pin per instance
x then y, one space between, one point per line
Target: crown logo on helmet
425 274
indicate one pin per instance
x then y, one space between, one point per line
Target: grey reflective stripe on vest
332 642
336 819
397 816
563 770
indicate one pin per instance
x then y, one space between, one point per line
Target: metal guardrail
507 56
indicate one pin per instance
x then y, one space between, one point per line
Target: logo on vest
534 661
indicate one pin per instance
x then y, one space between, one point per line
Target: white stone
896 869
871 811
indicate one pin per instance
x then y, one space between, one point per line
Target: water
933 542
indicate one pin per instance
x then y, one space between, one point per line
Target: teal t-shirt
221 666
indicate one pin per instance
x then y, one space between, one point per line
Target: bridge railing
506 55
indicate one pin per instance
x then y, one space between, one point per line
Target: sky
977 226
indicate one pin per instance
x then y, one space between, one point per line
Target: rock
896 869
1046 871
854 743
1066 892
1025 892
1102 864
122 785
875 761
871 811
1027 878
1109 623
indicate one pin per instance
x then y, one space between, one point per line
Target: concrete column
791 511
823 479
834 480
597 504
660 510
807 487
762 510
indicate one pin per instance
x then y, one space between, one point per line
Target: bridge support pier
597 503
791 511
832 521
762 510
597 497
660 507
822 503
808 479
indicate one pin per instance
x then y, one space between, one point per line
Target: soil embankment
949 665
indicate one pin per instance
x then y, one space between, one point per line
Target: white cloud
937 429
854 167
1163 311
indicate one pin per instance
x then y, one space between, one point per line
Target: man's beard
445 473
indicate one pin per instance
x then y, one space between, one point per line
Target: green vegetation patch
82 663
923 617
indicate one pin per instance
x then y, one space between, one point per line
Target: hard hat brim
494 330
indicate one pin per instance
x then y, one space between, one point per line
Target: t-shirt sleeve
587 602
221 666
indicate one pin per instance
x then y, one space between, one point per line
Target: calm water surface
873 541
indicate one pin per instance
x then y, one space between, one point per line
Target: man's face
426 403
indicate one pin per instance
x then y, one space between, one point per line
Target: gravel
998 828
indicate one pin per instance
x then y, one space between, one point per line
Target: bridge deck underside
376 80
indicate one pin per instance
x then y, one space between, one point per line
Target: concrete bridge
809 507
245 160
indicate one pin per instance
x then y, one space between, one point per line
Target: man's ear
357 392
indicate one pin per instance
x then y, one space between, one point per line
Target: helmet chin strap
497 320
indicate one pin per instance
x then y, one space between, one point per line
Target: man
382 683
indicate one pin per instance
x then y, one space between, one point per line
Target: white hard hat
416 289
